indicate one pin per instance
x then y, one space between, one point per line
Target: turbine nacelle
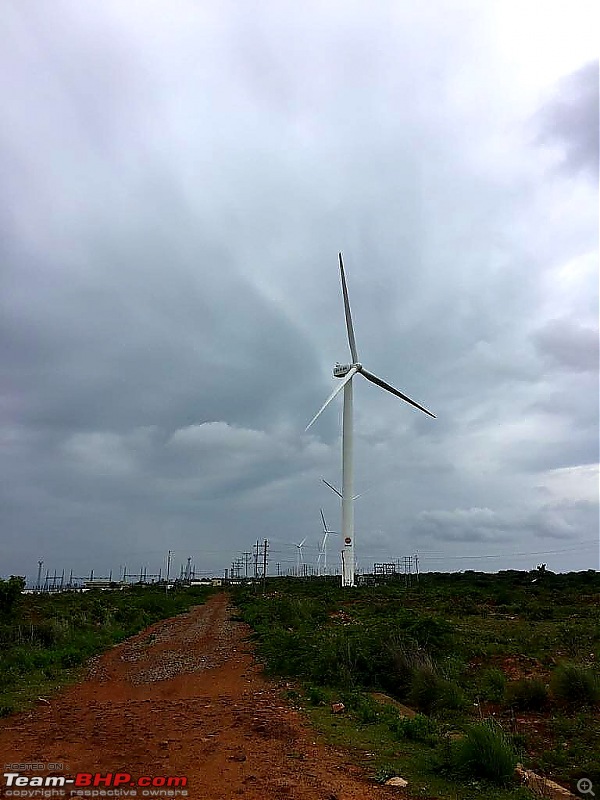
341 370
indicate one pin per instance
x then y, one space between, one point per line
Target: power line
505 555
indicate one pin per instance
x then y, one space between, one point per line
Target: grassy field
45 638
492 669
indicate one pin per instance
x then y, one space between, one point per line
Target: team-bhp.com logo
90 784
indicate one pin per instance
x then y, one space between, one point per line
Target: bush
430 693
367 713
528 695
485 752
407 660
575 685
10 592
417 729
316 696
492 685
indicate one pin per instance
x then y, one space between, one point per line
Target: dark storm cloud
175 186
571 120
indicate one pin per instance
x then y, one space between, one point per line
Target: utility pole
246 561
256 548
265 551
407 563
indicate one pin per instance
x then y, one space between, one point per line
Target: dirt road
184 698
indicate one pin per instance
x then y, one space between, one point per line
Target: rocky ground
185 698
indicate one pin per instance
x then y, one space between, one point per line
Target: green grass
46 638
528 695
386 752
460 649
575 685
485 752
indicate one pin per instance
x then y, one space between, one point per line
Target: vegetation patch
45 638
485 752
472 655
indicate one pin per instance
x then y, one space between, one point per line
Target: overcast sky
177 178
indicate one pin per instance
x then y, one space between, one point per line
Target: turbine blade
333 489
349 326
302 542
374 379
323 518
351 373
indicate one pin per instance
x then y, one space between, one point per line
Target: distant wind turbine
299 555
347 372
323 548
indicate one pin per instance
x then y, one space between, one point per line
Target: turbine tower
346 372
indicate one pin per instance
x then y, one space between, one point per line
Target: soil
184 698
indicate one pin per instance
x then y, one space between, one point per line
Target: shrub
364 707
485 752
10 592
316 696
44 633
407 660
492 685
430 693
575 685
430 633
71 657
528 695
417 729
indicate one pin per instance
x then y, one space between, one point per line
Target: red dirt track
185 698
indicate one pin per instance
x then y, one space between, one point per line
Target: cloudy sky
177 177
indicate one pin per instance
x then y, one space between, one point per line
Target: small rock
337 708
397 781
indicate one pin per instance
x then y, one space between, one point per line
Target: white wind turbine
347 372
299 556
323 549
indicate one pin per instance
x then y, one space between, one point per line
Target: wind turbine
339 494
300 558
323 548
346 372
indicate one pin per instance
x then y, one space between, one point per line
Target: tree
10 591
